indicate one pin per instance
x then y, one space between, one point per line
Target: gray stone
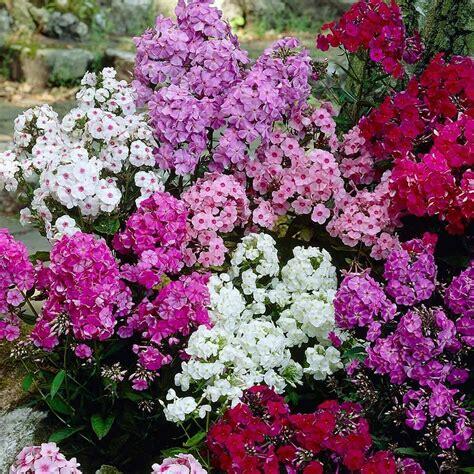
6 23
55 24
131 16
65 66
18 430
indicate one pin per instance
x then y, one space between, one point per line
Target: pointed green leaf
27 382
57 382
63 434
195 440
101 426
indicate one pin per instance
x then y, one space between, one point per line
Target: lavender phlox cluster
410 272
361 302
418 347
183 71
274 89
459 298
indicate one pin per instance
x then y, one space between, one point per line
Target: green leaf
106 225
27 382
173 452
409 452
58 405
195 440
41 256
29 319
101 426
467 469
63 434
357 352
57 382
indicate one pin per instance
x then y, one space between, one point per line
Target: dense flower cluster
84 162
260 434
217 205
441 182
191 75
249 341
375 26
183 71
16 277
44 459
157 235
84 292
181 464
410 272
166 321
428 130
422 351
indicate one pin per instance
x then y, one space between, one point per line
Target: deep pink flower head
156 234
166 322
377 27
84 292
181 464
17 276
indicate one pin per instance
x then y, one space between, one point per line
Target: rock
20 12
66 66
5 26
131 17
18 430
59 25
122 61
66 26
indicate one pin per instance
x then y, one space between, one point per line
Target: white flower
65 225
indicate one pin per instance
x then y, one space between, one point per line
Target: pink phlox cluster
288 179
84 292
356 163
44 459
156 234
17 276
363 216
166 321
217 205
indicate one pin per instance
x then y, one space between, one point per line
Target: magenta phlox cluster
17 276
84 292
166 321
156 234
